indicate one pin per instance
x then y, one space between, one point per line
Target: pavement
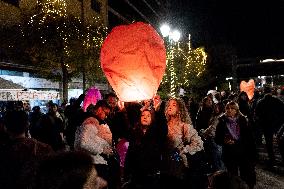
269 176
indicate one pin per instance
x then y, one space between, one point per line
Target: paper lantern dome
248 87
133 58
92 96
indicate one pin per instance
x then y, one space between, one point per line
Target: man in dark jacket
270 115
17 151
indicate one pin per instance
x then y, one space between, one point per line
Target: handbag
176 165
198 163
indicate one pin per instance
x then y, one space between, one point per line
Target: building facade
12 12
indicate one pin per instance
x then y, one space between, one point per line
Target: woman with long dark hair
143 158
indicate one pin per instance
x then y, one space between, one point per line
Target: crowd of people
157 143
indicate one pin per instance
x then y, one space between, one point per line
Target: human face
231 111
157 99
172 108
102 112
244 97
146 118
147 103
208 102
54 108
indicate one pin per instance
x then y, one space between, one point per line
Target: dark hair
63 170
36 108
110 95
53 105
152 113
103 104
185 99
267 90
16 122
242 93
133 112
90 108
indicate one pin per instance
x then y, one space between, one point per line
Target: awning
6 84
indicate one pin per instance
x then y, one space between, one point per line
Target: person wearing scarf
234 134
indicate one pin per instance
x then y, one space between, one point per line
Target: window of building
9 72
12 2
96 5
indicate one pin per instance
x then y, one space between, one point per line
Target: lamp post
173 37
167 32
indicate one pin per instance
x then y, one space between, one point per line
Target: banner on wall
15 95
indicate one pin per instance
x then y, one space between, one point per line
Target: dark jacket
270 112
144 152
244 148
16 159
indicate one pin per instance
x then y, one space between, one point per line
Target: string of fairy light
178 73
173 77
56 10
52 10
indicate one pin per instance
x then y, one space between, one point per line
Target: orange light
248 87
133 58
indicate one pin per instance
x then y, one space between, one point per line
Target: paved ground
269 177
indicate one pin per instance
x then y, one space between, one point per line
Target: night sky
253 28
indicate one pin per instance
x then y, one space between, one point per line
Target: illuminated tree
58 41
184 67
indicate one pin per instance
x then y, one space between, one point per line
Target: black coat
270 113
244 148
144 152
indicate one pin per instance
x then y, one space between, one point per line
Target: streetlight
175 36
166 32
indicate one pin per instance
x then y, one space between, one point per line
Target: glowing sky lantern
92 96
133 58
248 87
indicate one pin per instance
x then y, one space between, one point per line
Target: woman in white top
182 140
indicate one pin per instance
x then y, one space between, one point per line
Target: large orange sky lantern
248 87
133 58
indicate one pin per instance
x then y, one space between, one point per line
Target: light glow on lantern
133 58
248 87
